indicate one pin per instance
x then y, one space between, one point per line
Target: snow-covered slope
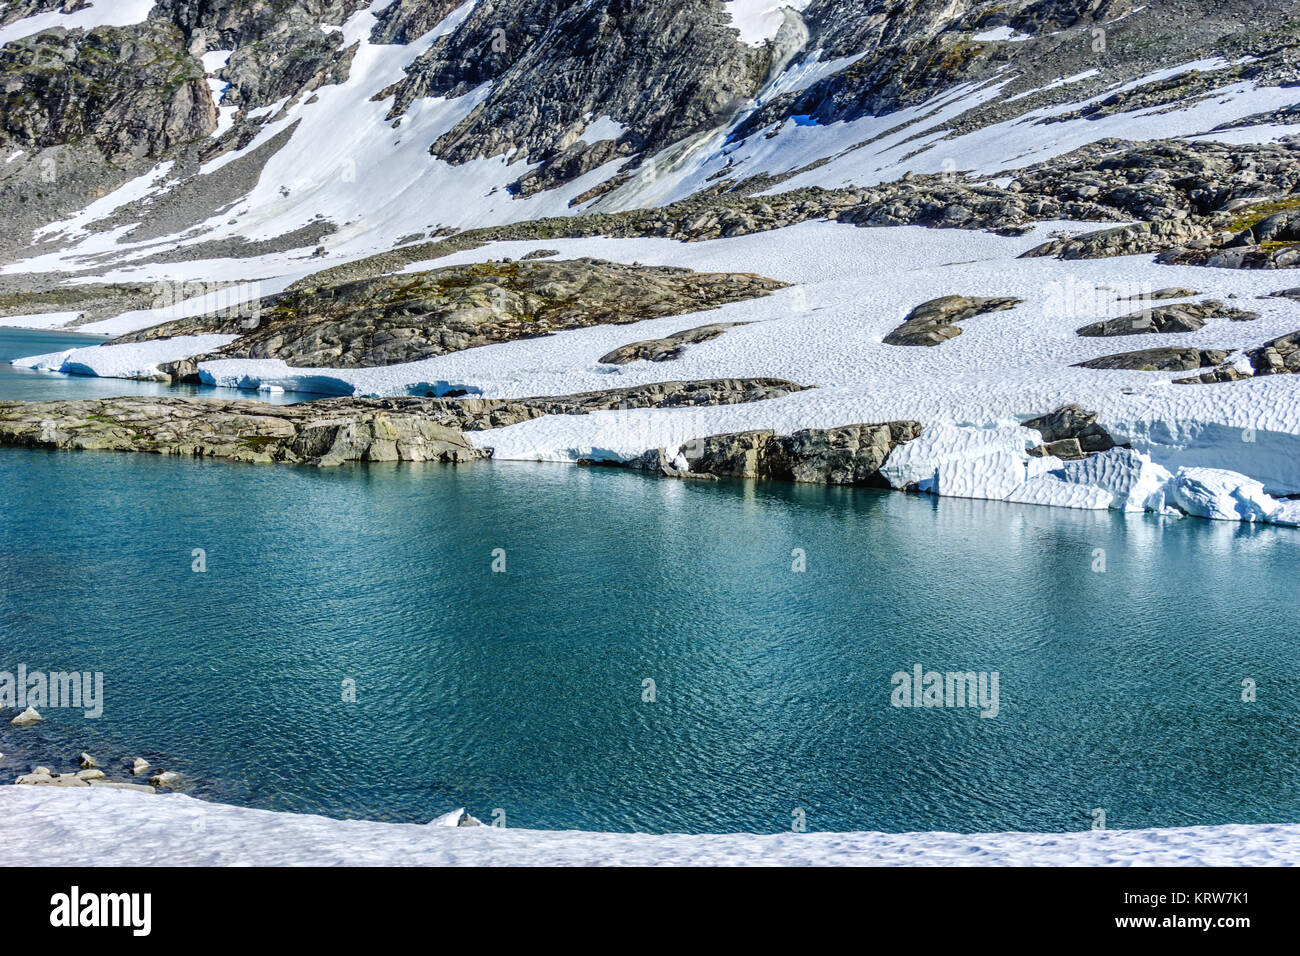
73 826
399 135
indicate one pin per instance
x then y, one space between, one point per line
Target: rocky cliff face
130 93
661 71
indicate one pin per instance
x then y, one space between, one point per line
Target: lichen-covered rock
417 315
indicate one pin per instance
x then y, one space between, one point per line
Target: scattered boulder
1175 359
1175 292
932 322
91 774
1215 376
1285 256
1136 239
86 761
1282 226
44 777
1165 319
139 766
27 718
668 348
168 778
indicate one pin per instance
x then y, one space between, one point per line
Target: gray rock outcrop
1070 432
1174 359
1166 319
403 318
935 321
668 348
332 431
845 455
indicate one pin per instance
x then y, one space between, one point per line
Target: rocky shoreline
122 773
329 432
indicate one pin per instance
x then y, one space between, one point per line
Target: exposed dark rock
1067 449
664 71
477 414
1070 432
1236 257
133 92
846 455
1215 376
934 321
668 348
1280 227
1135 239
1166 319
1279 356
1174 359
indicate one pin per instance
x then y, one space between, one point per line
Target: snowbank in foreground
56 827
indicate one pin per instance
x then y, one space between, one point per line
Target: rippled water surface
523 690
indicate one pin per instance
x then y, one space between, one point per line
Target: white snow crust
56 826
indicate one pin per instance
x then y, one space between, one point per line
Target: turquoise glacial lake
524 689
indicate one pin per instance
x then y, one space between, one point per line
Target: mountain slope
1085 158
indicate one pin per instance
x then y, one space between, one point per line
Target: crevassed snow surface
66 826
